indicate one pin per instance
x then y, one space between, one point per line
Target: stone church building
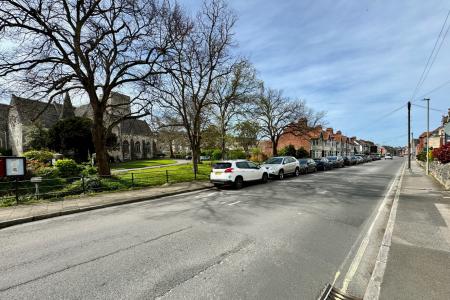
134 137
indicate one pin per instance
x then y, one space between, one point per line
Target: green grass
172 174
58 188
134 164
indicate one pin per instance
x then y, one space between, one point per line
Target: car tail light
228 170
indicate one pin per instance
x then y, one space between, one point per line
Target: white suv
236 172
282 165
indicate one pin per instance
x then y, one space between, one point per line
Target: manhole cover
332 293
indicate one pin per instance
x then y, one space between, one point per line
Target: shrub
89 170
301 153
216 154
5 152
47 172
442 153
237 154
289 150
68 168
44 156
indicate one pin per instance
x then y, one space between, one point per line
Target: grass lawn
134 164
181 173
58 188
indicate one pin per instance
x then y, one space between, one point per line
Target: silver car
282 165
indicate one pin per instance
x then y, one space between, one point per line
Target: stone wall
441 172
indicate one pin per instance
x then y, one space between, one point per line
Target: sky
356 59
359 60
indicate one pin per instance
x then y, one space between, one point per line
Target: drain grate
332 293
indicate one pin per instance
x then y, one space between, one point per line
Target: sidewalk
418 264
10 216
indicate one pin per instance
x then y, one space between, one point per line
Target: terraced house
320 143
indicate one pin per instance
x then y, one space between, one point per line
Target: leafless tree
90 47
201 58
230 95
278 114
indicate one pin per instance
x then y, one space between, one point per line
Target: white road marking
234 203
374 286
363 245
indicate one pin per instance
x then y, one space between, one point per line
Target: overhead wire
432 57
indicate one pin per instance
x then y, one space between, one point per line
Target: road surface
282 240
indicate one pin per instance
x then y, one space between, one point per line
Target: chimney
338 132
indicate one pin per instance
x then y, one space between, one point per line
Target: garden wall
439 171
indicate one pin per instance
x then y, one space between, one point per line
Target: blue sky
358 60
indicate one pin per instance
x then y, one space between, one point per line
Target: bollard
17 190
167 176
132 179
83 184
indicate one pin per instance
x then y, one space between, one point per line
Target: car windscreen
222 165
332 158
274 161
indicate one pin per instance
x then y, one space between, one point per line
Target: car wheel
281 174
217 185
238 182
297 172
265 178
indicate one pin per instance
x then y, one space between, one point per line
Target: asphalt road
282 240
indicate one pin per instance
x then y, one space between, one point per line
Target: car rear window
303 161
222 165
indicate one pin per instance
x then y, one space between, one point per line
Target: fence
14 192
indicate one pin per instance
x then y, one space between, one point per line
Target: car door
243 170
254 171
311 165
289 165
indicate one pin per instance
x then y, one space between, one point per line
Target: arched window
125 148
137 147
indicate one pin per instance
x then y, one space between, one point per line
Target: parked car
388 156
323 164
337 161
359 160
237 173
307 165
348 161
203 158
282 165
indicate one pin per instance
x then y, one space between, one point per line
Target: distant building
135 139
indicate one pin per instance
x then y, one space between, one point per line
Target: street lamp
428 135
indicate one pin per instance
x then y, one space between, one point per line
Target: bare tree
90 47
199 60
230 95
277 115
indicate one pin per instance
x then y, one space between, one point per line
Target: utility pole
409 135
428 134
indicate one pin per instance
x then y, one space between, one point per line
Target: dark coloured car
353 160
348 161
323 164
307 165
337 161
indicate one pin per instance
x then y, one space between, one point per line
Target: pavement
418 262
281 240
19 214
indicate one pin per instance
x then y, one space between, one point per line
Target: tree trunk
274 147
223 145
171 149
99 139
195 156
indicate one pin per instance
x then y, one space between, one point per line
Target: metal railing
14 192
